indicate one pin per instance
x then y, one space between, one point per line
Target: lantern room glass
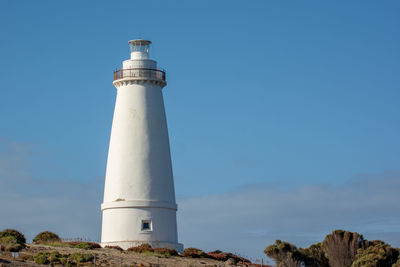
139 47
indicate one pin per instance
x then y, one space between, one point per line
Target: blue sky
266 100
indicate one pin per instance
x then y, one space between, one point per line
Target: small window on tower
146 225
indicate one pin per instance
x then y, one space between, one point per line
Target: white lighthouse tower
139 197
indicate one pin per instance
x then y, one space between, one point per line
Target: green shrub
11 240
54 257
46 257
141 248
11 244
46 237
41 258
314 255
87 245
168 252
58 244
83 245
378 254
81 257
64 260
282 252
11 232
397 264
195 253
339 249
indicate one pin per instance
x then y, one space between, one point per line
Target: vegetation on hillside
338 249
11 240
378 253
54 257
46 237
195 253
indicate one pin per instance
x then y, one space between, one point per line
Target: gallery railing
152 74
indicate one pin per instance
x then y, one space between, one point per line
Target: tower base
154 244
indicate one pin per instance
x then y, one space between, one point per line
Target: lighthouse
139 198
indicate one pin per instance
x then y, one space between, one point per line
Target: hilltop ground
112 257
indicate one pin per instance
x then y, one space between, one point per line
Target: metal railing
153 74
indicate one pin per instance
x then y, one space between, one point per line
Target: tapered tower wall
139 199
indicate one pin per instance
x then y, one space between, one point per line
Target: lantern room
139 49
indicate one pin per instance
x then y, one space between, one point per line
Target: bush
397 264
80 257
166 251
224 256
195 253
283 253
41 258
339 249
11 244
378 254
142 248
238 258
87 245
54 257
219 255
46 257
315 256
11 232
46 237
